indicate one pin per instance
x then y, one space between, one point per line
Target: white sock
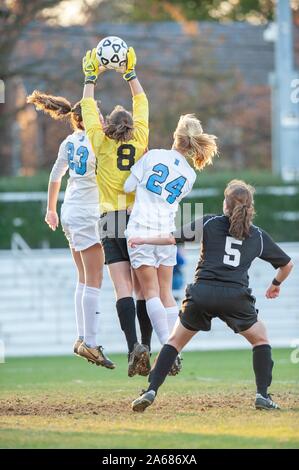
90 303
157 313
79 310
172 316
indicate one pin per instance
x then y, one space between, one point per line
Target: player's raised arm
90 112
140 102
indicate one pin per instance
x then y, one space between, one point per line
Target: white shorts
80 225
152 255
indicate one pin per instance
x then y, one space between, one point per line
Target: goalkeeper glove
90 66
130 73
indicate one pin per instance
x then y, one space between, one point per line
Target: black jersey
225 259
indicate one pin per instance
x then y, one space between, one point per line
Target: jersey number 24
160 176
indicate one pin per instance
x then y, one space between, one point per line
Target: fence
37 312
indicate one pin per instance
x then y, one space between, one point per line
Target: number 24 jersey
164 179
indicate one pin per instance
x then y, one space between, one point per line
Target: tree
259 11
15 16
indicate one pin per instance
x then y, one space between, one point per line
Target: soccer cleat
176 366
95 356
146 399
144 364
262 403
137 360
76 346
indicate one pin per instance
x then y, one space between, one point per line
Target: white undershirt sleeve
60 166
130 183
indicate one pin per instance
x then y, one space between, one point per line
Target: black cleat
262 403
176 366
137 360
145 400
144 364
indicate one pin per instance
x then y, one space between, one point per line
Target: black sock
126 313
262 366
146 328
163 364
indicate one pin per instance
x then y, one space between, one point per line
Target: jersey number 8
125 157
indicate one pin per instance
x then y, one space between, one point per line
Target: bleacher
37 309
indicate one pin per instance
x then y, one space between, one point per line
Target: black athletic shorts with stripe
204 300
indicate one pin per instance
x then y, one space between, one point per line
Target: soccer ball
112 53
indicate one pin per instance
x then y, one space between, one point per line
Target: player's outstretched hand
52 220
91 67
130 73
133 242
273 292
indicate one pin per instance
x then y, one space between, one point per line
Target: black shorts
207 300
112 226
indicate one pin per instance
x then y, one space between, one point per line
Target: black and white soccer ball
112 53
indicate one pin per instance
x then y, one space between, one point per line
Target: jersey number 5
233 255
125 157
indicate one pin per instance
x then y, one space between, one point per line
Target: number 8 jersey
115 159
164 178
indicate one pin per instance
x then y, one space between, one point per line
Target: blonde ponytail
192 142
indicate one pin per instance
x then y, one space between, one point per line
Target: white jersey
164 179
76 155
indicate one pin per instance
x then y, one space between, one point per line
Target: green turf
64 402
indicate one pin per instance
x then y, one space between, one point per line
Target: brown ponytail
57 107
119 125
191 141
239 207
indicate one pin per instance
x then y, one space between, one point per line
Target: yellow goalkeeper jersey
114 159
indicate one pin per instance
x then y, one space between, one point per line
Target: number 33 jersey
164 178
76 155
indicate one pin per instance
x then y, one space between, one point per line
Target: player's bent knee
124 290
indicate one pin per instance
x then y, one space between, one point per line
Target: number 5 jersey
224 259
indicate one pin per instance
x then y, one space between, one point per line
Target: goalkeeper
118 143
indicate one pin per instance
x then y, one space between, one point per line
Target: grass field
64 402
